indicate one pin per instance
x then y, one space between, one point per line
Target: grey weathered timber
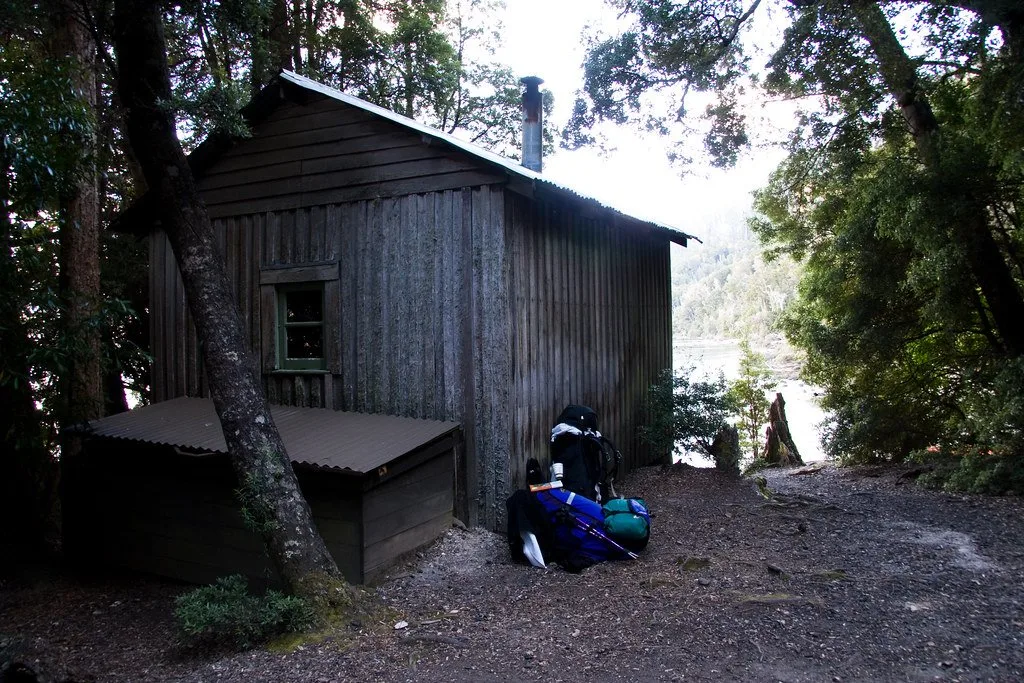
594 326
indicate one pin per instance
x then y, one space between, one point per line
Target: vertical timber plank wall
590 309
422 318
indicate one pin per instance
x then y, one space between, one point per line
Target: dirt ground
844 577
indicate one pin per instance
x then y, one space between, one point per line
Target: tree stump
725 449
779 448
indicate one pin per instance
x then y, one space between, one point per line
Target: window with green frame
300 326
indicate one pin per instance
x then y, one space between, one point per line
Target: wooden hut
383 266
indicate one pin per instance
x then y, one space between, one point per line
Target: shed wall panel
327 152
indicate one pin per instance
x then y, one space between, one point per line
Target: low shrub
982 472
226 612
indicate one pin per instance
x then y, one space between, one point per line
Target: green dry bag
628 521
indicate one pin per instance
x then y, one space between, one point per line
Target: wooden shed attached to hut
382 266
155 491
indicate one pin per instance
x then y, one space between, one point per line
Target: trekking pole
593 531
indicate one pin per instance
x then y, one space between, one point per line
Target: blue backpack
575 536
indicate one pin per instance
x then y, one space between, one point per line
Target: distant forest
724 289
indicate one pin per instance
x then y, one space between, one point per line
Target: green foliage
748 394
257 512
909 236
226 613
668 49
685 412
974 472
894 326
43 125
409 56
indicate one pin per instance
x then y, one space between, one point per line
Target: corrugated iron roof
508 165
357 442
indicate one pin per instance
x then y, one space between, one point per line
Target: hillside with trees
724 288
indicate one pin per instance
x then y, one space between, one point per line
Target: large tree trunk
984 258
270 491
79 231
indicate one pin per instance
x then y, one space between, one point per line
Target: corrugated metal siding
591 324
323 438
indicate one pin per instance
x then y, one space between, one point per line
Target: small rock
402 624
704 581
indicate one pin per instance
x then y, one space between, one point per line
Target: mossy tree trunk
269 490
726 451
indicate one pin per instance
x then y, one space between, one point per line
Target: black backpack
590 462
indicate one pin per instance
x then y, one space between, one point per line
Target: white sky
543 38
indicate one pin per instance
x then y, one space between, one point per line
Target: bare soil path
839 577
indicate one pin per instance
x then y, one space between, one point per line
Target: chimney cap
531 82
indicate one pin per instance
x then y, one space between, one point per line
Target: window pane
304 306
304 342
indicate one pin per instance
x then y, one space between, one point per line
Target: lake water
802 408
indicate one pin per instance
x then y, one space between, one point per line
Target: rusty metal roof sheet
357 442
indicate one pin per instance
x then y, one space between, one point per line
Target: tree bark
984 257
779 448
270 493
79 231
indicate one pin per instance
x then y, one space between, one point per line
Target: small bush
685 412
225 612
726 450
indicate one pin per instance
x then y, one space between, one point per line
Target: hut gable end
325 152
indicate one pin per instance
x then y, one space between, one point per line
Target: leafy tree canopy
431 60
901 194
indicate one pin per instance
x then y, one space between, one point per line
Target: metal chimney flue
532 123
